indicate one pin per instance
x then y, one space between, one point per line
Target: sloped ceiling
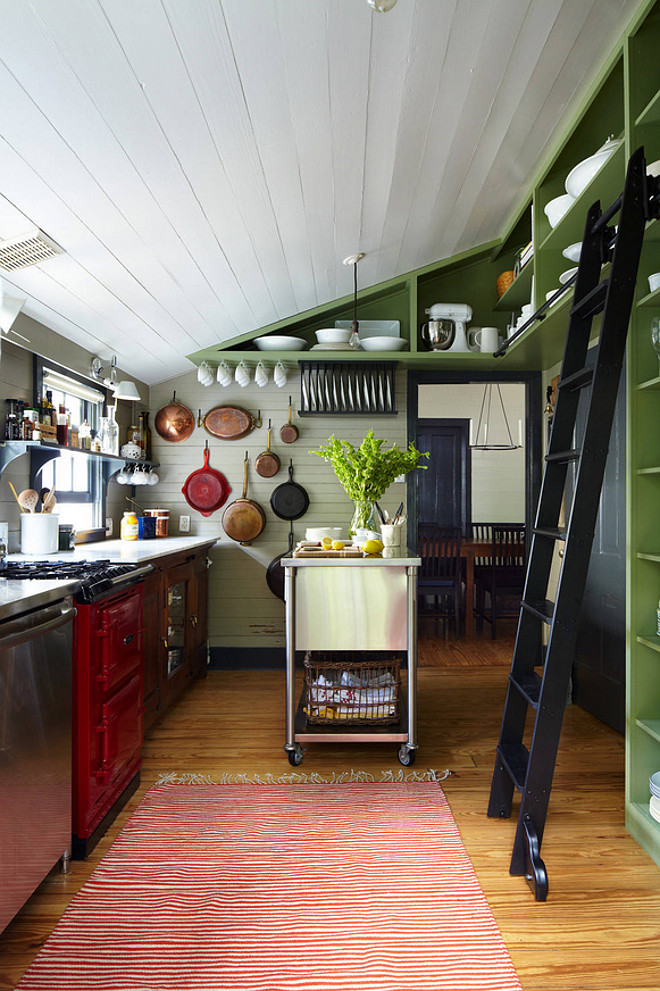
208 164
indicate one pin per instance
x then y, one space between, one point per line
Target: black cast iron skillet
289 500
275 571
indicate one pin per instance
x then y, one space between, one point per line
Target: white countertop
135 551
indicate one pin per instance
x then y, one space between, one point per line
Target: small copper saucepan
267 463
289 432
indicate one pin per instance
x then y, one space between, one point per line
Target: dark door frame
533 428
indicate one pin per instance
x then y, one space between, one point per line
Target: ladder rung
529 686
577 380
543 609
515 757
592 303
560 456
553 532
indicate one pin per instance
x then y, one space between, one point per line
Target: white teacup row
137 475
241 373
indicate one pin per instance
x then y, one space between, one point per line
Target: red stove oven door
120 632
116 746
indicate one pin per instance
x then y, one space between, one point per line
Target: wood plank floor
600 927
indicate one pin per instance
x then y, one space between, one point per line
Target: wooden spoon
48 502
28 500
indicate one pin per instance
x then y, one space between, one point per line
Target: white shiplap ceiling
207 164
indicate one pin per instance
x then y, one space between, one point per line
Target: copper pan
243 519
174 422
267 463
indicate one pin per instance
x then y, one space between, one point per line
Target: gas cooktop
95 578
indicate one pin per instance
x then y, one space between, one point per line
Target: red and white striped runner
313 887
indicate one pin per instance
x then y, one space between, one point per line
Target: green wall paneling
645 64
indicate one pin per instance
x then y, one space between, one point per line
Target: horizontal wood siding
243 612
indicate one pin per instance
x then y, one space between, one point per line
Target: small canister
66 537
146 527
162 517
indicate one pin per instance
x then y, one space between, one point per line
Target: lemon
372 546
326 543
337 545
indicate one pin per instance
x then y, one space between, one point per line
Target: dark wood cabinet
175 629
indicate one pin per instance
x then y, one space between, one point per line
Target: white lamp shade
126 390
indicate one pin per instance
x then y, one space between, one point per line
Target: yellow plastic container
129 529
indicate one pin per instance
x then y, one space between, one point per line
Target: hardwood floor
600 927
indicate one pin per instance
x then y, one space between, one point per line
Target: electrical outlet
108 526
184 524
4 534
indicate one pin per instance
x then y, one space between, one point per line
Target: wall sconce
122 390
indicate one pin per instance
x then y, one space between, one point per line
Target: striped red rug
313 887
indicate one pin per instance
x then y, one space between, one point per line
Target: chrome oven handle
32 632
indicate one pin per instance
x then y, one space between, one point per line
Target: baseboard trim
246 658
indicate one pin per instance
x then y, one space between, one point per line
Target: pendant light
493 431
353 260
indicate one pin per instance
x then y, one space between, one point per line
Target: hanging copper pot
174 422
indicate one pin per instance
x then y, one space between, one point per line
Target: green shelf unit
643 592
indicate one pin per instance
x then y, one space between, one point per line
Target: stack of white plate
654 804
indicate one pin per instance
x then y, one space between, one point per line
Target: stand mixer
445 329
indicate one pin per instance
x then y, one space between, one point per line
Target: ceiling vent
28 249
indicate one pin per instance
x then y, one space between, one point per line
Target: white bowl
654 168
555 209
275 343
333 335
317 533
550 294
573 251
654 783
383 343
579 178
568 274
654 281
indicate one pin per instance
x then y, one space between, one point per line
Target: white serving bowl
555 209
568 274
276 343
654 281
573 251
383 343
654 784
316 533
579 178
333 335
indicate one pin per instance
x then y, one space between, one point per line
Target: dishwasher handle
32 632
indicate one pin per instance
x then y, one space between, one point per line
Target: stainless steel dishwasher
35 739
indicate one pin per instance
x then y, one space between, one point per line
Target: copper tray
229 422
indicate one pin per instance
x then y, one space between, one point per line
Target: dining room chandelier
493 430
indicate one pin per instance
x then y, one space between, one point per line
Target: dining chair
439 576
503 577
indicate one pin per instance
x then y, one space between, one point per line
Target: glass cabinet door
176 626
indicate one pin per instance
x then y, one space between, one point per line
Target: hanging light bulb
382 6
493 431
353 260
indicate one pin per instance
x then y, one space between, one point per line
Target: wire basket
349 688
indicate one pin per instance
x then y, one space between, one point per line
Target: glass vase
364 516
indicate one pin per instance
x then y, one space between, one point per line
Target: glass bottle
146 435
138 438
62 426
109 432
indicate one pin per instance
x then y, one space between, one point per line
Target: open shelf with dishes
44 451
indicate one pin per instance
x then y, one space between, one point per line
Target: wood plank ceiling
207 164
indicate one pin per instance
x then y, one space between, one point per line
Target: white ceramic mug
261 375
242 374
488 338
224 375
279 375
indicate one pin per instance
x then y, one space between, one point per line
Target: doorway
444 491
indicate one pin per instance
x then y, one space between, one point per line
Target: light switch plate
4 534
184 524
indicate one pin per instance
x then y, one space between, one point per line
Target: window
77 480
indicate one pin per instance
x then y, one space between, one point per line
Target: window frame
96 489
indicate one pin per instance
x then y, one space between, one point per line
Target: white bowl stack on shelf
654 804
377 335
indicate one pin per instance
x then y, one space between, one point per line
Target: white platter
373 328
278 343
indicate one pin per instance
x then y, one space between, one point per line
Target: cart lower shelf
306 732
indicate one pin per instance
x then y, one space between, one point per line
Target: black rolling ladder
540 677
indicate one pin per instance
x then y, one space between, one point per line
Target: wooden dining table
469 550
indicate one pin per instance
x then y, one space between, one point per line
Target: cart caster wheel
295 756
406 756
